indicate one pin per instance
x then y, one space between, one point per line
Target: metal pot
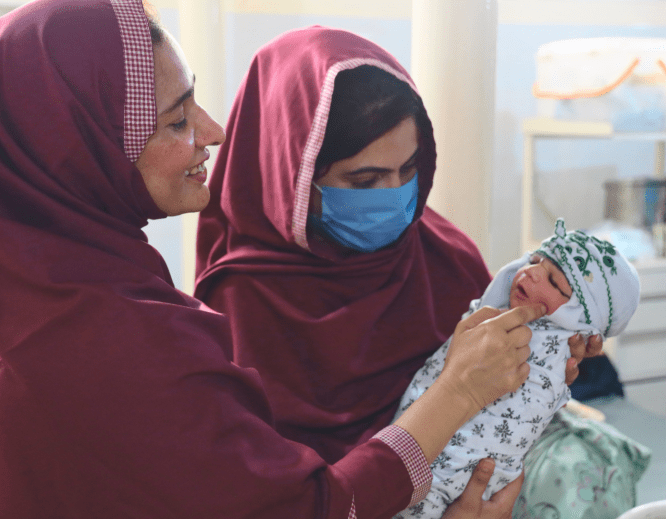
636 202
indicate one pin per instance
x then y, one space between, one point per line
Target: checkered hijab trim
316 138
140 107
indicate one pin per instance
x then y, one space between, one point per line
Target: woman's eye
364 182
180 125
363 185
408 169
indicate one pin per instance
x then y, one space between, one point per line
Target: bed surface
646 428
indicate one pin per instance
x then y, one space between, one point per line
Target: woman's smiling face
172 162
540 281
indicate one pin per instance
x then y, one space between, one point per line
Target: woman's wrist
435 417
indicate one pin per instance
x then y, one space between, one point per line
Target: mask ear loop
318 188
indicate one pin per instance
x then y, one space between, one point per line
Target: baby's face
540 281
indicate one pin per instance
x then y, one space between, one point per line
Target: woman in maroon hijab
335 308
118 397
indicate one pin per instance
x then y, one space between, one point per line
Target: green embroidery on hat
606 250
560 230
585 251
576 287
581 240
608 294
560 256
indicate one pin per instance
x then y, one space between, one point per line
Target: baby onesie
605 294
506 429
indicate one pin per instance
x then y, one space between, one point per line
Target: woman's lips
198 173
200 177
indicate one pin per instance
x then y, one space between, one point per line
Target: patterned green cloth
580 469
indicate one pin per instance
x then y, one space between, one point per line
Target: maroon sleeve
364 468
168 428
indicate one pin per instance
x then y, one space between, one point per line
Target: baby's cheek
515 301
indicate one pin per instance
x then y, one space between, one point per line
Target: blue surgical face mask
366 219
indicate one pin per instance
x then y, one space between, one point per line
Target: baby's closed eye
559 288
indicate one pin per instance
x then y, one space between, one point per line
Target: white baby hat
605 285
602 279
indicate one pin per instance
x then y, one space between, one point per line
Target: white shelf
546 128
639 353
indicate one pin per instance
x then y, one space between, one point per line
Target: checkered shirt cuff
352 511
412 456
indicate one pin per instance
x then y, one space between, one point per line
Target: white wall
247 25
523 26
570 173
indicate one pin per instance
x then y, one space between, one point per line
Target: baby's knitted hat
602 279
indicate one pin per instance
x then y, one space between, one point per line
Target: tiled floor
646 428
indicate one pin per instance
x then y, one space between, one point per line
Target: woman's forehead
173 76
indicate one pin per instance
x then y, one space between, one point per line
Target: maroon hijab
336 340
116 396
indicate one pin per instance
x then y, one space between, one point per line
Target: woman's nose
209 132
392 180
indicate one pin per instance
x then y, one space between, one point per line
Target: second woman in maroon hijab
336 336
337 318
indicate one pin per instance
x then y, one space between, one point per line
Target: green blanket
580 469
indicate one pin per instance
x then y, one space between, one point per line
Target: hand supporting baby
470 505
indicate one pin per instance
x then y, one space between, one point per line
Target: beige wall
582 12
352 8
210 85
547 12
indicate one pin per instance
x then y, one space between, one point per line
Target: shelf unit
639 353
544 128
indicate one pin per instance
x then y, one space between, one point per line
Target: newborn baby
587 287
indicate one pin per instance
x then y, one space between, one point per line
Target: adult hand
580 350
486 359
488 353
470 505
